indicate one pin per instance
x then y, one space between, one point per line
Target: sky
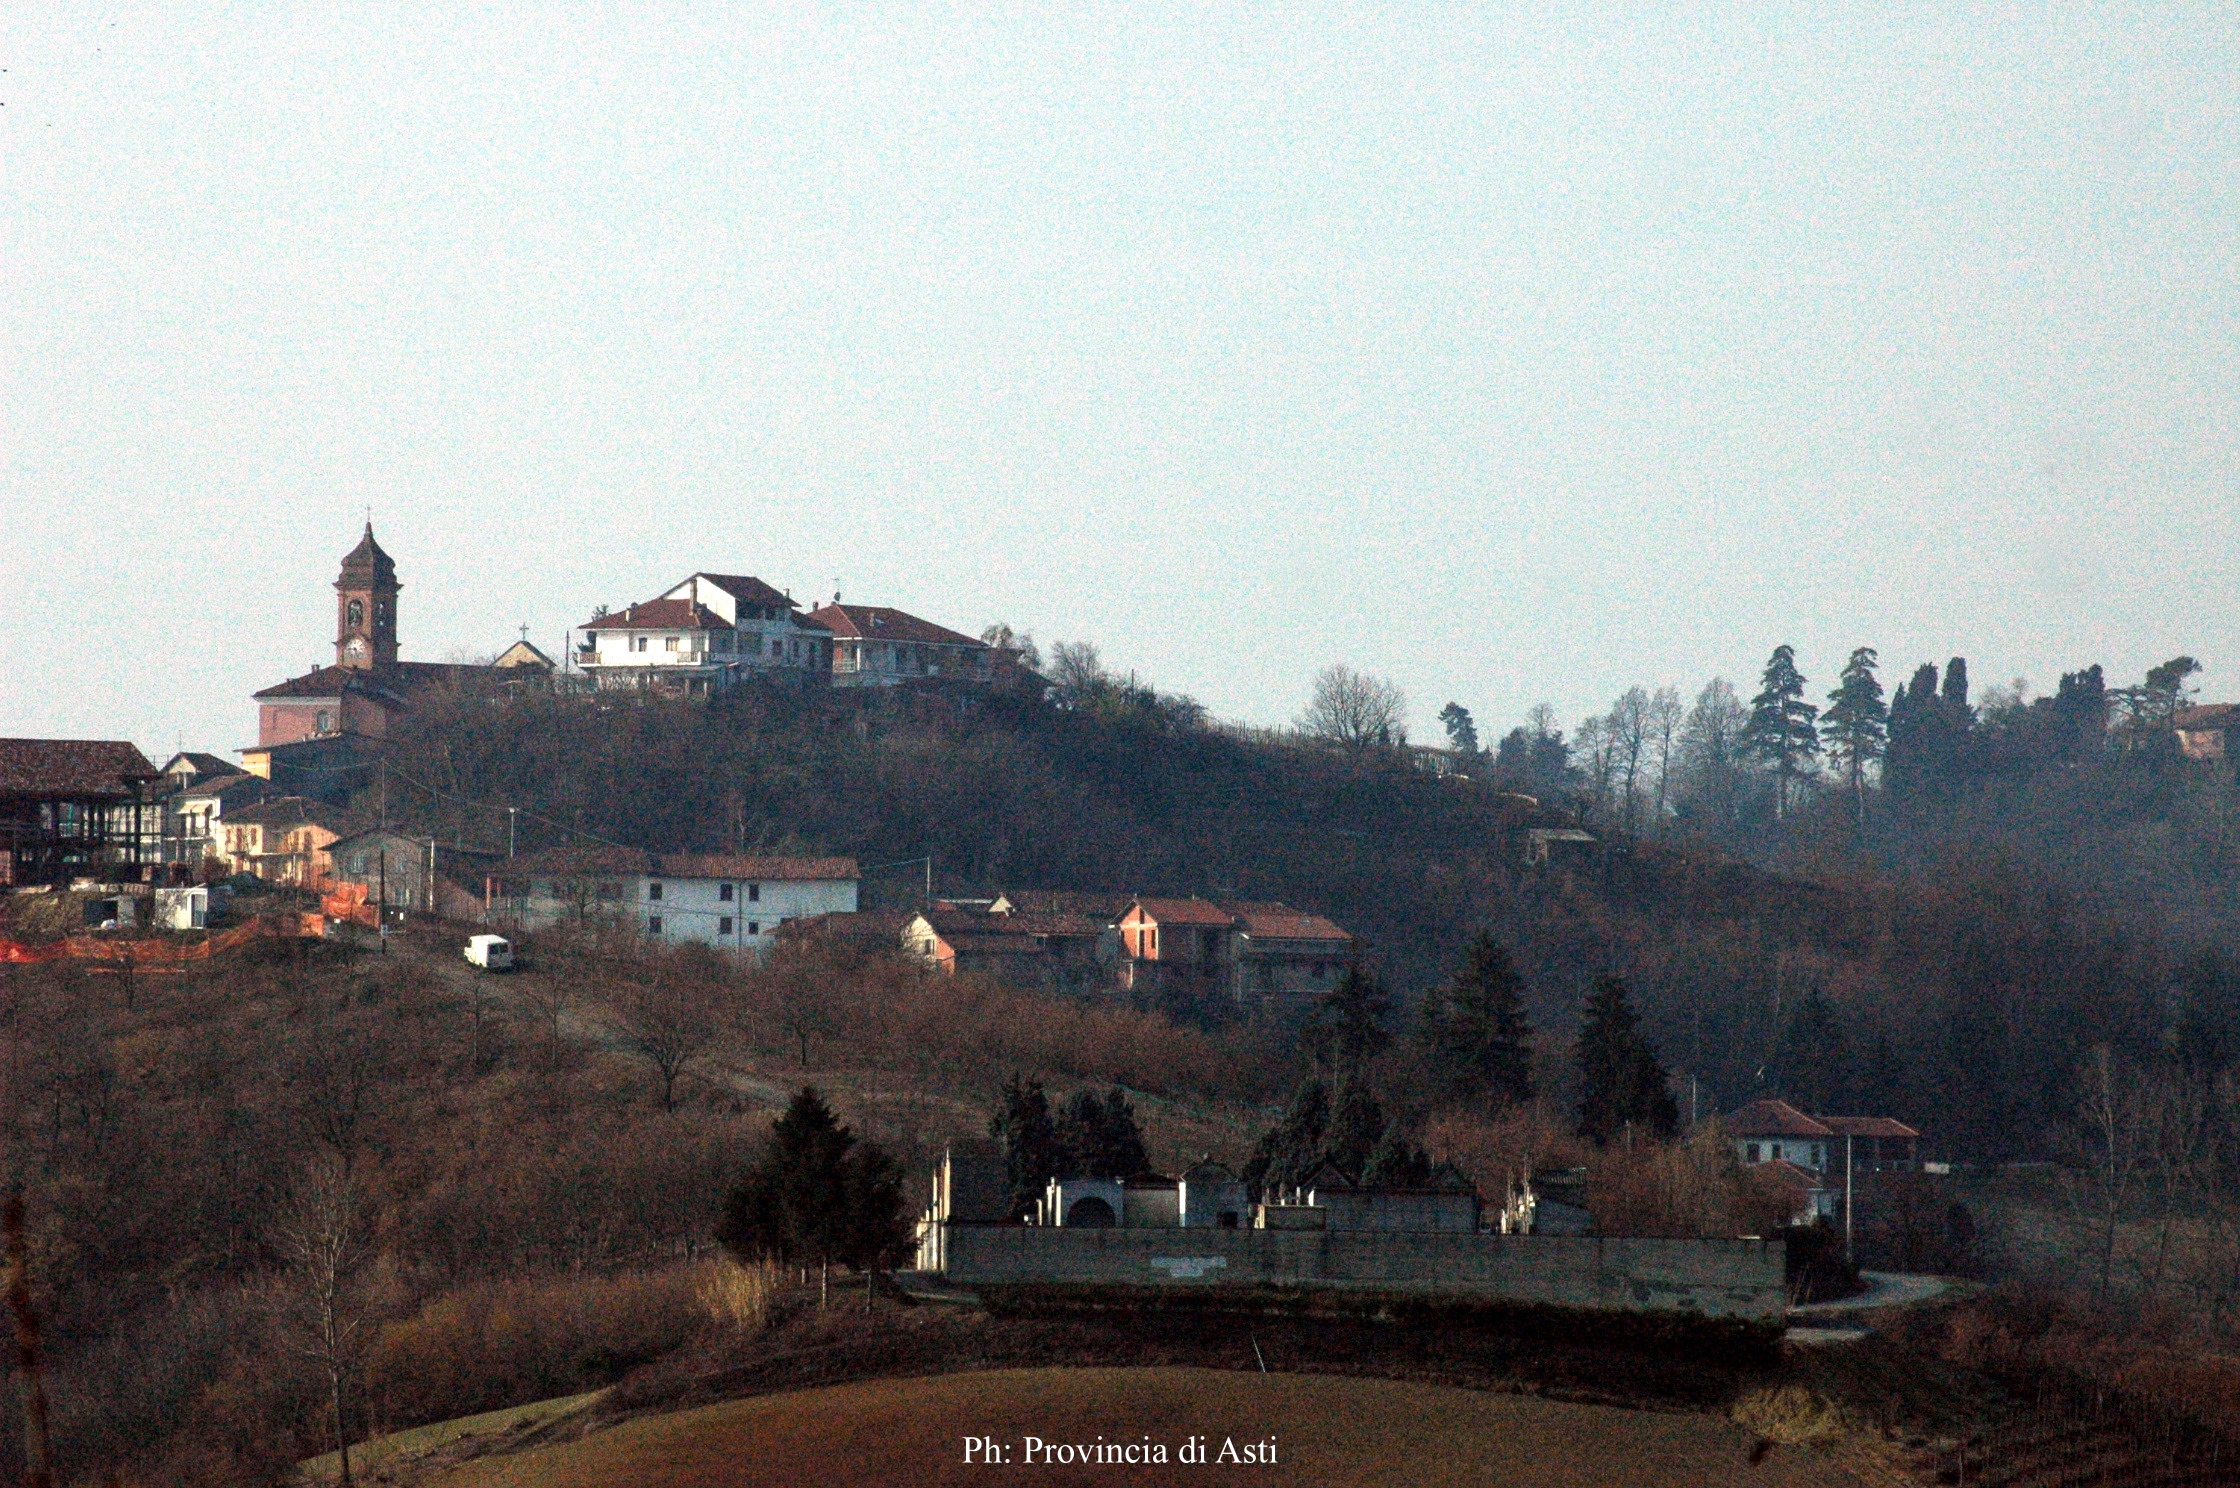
1516 354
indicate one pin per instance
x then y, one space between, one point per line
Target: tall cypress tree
1097 1136
1031 1154
1475 1029
1855 726
1621 1083
1288 1151
1781 731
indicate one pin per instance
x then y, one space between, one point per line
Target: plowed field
1323 1430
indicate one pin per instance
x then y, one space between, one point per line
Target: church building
316 730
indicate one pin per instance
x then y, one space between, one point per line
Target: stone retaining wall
1711 1278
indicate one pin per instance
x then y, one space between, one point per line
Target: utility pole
382 917
511 813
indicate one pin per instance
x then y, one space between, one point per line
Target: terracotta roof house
284 839
1239 950
1055 952
704 634
2203 731
876 646
76 808
1775 1131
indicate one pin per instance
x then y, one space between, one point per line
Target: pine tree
1346 1028
1854 728
1288 1151
1031 1154
1357 1124
1780 731
1480 1044
1621 1084
816 1197
1462 730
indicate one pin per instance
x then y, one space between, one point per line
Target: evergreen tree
817 1197
1396 1162
1288 1151
1621 1084
1346 1028
1357 1123
1855 726
1814 1063
1480 1044
1097 1136
1031 1154
1462 730
1780 731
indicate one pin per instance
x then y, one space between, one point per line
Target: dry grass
1325 1430
1790 1414
740 1297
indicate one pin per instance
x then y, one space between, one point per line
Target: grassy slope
1326 1430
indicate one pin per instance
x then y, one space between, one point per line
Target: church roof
393 682
367 567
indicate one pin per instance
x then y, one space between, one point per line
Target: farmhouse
1243 951
731 902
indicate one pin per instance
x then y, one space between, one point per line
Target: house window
724 893
1751 1153
653 924
754 927
319 721
653 891
723 926
754 893
672 643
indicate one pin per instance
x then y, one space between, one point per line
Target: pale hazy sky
1513 354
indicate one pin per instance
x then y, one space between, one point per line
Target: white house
709 632
733 902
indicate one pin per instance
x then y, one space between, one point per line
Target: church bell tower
365 635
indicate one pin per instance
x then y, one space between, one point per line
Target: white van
490 952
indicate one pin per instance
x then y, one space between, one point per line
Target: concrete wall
1714 1278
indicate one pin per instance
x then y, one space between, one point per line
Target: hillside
1955 993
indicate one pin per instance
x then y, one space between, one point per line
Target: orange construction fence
156 955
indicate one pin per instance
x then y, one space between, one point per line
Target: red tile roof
83 768
393 682
1866 1126
1282 922
2207 716
660 614
747 589
584 861
878 623
1104 906
1773 1118
782 870
1183 912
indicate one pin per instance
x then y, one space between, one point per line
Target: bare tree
1664 719
1711 757
1356 711
1075 667
320 1237
2110 1129
1627 731
668 1027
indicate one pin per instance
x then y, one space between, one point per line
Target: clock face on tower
355 648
